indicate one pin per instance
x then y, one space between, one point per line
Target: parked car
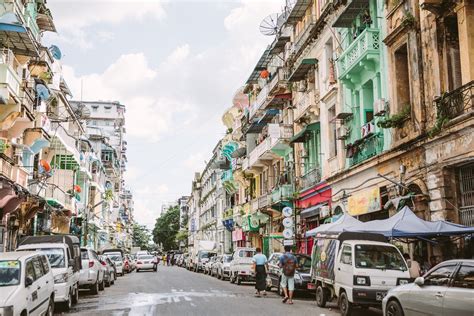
146 262
128 264
447 289
63 254
241 265
26 284
116 255
92 272
202 257
214 265
223 267
302 273
208 265
110 275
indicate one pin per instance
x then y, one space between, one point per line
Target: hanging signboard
365 201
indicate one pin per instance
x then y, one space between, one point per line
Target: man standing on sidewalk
288 266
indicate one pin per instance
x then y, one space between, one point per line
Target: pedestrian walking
168 258
164 260
413 267
260 269
288 266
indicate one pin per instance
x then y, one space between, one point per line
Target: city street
176 291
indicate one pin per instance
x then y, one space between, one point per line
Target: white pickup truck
241 266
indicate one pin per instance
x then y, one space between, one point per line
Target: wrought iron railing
370 146
311 178
283 192
457 102
466 216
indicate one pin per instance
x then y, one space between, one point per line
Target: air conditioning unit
342 132
324 211
379 107
368 129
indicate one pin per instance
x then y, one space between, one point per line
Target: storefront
314 206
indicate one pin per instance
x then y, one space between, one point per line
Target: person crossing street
288 266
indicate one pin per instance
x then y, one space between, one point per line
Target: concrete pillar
465 15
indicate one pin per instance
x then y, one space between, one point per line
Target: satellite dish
42 91
56 52
271 25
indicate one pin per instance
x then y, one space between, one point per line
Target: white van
26 284
64 256
356 268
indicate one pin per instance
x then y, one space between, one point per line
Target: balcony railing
281 76
257 105
466 216
254 205
6 168
263 201
370 146
283 192
311 178
10 79
310 98
300 40
367 43
456 102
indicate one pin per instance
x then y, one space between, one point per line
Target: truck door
343 270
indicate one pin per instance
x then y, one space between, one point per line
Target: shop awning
310 211
261 65
405 224
299 73
334 228
55 203
16 37
301 136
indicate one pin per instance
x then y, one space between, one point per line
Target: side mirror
420 281
29 281
71 262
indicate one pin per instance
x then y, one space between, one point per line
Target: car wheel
138 270
50 310
94 289
75 297
239 280
113 279
321 297
345 306
68 304
102 285
108 283
231 278
394 308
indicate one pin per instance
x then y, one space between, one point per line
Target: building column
465 16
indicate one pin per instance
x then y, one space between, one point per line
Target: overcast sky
175 65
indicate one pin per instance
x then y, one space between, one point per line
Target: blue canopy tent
405 224
336 227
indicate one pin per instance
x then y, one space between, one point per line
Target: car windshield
55 256
145 257
114 257
9 272
84 254
227 258
378 257
206 254
246 253
304 263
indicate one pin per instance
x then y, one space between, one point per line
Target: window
107 109
30 270
38 267
346 255
466 194
332 132
402 77
465 277
84 254
9 272
64 162
55 257
45 263
94 108
379 257
440 276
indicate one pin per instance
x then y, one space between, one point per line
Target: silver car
447 289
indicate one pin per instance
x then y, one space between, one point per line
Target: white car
92 272
63 255
146 262
223 267
208 265
26 284
117 258
447 289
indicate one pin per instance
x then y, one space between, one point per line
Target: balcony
310 179
304 103
366 148
456 103
283 192
10 78
361 54
258 104
264 201
15 173
254 205
304 34
297 11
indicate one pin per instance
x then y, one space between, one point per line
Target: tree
141 236
166 228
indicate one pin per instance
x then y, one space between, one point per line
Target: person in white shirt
413 267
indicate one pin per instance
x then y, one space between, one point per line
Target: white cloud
195 161
72 17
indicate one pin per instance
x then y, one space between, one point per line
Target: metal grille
466 188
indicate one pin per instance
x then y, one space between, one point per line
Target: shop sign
288 242
363 202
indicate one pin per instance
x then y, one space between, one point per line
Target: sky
175 65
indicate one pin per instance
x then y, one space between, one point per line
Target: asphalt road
176 291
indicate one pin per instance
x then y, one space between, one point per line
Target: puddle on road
143 303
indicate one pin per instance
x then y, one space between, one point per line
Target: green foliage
141 236
396 120
408 19
442 116
182 235
108 195
166 229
